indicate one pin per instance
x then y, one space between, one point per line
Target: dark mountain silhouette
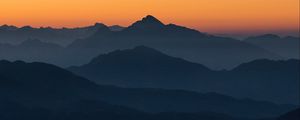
268 79
149 24
212 51
45 86
287 47
293 115
141 67
147 67
63 36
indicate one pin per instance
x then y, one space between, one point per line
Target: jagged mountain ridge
212 51
61 36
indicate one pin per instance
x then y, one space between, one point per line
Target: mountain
268 79
146 67
141 67
7 27
150 26
212 51
44 86
84 43
149 23
63 36
32 50
293 115
287 47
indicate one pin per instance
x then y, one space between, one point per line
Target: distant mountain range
46 88
33 50
146 67
83 44
146 71
212 51
288 47
62 36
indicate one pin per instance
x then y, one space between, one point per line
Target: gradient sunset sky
234 17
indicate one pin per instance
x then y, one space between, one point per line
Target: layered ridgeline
38 91
288 47
212 51
276 81
174 40
61 36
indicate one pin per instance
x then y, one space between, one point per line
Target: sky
228 17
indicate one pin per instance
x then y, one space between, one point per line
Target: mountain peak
99 25
100 29
150 18
26 28
149 22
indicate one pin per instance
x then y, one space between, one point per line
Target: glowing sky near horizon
214 16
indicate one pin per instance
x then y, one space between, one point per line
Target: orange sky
214 16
